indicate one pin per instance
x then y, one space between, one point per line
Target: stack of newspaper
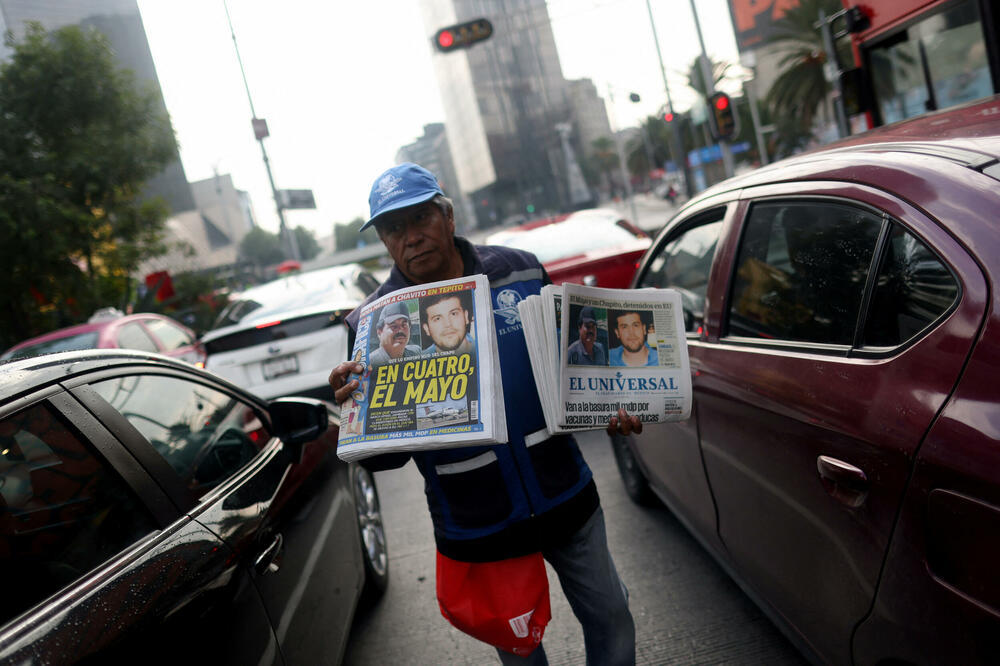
596 350
431 376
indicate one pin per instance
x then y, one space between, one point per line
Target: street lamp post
626 181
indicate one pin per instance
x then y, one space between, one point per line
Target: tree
349 236
262 247
799 91
306 240
600 163
78 139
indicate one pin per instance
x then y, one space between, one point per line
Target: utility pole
676 142
260 132
706 73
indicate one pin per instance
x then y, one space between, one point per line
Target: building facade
433 151
503 100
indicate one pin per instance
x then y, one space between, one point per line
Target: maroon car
595 247
842 458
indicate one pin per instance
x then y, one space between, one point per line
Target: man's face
394 335
631 331
420 240
446 323
588 334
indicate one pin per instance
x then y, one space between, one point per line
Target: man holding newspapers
532 494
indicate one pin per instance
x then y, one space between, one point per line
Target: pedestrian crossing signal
462 35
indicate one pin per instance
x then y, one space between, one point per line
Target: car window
205 435
69 343
172 337
913 289
289 296
63 510
684 264
801 271
568 238
131 336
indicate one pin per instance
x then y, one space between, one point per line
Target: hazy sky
344 85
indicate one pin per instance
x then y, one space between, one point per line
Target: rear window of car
69 343
803 270
294 293
566 239
169 335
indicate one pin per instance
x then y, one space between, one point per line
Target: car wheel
635 482
373 546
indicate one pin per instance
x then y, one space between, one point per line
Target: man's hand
342 388
624 424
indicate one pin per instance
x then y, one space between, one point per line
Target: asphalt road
686 609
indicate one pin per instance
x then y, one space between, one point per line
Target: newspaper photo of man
393 334
447 320
631 327
587 350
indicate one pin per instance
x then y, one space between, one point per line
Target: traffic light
668 117
723 120
462 35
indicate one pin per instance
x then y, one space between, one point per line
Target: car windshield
566 239
69 343
331 287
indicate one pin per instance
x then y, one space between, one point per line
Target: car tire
374 552
636 484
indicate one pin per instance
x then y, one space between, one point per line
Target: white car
283 337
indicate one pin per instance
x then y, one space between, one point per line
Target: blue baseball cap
403 185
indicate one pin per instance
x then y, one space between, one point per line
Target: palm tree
799 91
721 71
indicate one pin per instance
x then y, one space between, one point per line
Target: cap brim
402 203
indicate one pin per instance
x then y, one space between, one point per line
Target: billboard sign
753 20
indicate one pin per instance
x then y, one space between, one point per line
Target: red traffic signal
445 39
722 120
668 117
462 35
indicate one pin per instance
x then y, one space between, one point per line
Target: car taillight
268 324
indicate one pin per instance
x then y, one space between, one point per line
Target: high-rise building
121 23
503 100
590 116
433 152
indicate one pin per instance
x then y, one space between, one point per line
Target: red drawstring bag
505 603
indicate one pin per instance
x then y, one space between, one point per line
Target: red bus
924 55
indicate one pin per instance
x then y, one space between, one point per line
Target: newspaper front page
622 348
431 374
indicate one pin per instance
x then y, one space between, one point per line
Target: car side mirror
297 421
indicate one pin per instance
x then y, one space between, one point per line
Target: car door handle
269 560
842 481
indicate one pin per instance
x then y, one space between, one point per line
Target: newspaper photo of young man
447 320
391 335
631 328
587 349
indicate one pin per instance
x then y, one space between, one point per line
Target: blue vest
492 502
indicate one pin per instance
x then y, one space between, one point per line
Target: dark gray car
153 511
